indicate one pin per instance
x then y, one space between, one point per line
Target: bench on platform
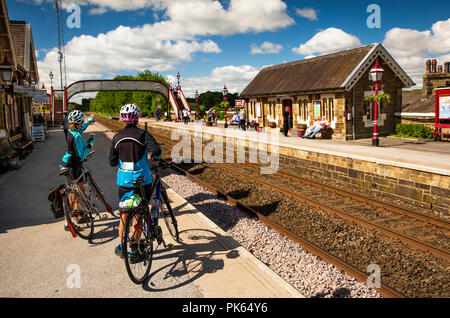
9 158
21 145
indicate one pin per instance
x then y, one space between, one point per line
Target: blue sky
209 42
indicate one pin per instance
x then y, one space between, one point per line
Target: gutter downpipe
353 113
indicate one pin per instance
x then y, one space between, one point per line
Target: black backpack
56 201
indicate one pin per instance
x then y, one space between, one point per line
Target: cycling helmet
129 113
76 117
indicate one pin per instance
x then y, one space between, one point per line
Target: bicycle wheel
80 221
137 246
168 215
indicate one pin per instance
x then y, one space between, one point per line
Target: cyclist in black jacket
129 151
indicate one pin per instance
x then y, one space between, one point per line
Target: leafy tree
111 102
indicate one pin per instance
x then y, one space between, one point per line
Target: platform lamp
6 70
225 93
376 73
196 104
178 78
51 88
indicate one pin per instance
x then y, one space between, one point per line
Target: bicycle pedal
104 217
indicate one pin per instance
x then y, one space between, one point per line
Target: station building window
324 110
304 109
331 109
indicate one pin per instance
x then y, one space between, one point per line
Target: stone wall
420 188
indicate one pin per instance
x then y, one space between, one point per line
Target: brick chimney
428 63
435 78
433 66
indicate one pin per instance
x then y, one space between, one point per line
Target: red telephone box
442 112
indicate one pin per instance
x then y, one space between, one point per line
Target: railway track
311 199
339 202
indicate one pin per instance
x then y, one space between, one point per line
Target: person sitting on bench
320 124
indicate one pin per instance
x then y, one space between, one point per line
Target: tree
112 102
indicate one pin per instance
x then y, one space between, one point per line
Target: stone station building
333 86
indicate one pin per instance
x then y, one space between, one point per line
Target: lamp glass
6 73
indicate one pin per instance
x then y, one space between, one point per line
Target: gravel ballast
310 275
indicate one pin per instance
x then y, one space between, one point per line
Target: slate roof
326 72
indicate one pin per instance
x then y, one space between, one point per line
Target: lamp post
178 78
376 73
51 89
225 92
196 104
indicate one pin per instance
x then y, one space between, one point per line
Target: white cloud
328 41
236 78
164 44
123 49
308 13
266 48
411 48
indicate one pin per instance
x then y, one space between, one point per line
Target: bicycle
81 222
140 231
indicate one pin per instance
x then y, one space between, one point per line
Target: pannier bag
56 201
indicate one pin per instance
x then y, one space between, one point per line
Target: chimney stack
439 68
433 66
428 63
447 67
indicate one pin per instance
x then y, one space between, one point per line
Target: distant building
16 44
419 105
333 86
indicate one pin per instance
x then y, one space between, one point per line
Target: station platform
424 155
415 172
40 259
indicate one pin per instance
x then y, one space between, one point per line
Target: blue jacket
129 151
77 149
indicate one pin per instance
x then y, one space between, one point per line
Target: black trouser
242 122
285 129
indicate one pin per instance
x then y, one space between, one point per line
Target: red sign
239 103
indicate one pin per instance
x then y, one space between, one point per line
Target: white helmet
76 117
129 113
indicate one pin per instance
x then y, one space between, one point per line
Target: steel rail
385 290
426 218
419 244
392 233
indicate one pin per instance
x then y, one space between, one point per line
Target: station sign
239 103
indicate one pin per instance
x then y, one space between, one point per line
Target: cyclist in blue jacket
129 151
77 149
